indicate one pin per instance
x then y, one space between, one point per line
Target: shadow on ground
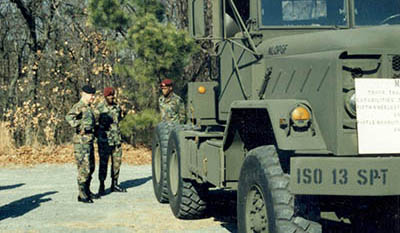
130 184
20 207
11 186
330 226
222 208
134 183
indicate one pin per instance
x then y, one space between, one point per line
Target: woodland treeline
49 49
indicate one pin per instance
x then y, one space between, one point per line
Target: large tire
264 201
187 198
159 160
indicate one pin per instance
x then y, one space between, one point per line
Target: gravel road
43 199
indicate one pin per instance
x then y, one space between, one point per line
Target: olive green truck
301 118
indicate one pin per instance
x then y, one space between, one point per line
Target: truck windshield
304 12
376 12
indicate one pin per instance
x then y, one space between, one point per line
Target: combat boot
83 197
85 200
101 192
115 187
89 193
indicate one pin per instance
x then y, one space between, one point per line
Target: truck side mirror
231 27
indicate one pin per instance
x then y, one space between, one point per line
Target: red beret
108 91
166 82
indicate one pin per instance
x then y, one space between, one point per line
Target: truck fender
185 147
275 112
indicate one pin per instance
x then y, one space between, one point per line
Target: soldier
171 105
81 118
109 140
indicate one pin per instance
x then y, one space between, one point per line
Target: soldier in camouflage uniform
81 118
109 115
171 105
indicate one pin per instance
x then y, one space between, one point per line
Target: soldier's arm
161 108
74 116
159 103
182 112
96 113
121 113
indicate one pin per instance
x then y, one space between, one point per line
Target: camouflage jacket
172 108
108 117
81 118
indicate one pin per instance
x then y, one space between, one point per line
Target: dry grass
6 145
29 156
38 154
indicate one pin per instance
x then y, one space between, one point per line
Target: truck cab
300 117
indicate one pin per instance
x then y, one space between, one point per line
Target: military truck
301 118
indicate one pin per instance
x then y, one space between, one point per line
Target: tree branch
30 21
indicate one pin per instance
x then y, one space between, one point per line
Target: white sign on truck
378 115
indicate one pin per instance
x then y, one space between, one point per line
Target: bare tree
48 52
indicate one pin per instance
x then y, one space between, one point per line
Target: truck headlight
350 102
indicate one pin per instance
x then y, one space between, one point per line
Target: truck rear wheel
264 201
187 198
159 161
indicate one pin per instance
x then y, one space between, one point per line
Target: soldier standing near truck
81 118
109 115
300 118
171 105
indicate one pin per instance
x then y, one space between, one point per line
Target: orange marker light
300 114
201 89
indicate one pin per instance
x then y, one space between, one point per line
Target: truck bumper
350 176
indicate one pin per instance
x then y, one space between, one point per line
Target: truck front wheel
264 201
187 198
159 161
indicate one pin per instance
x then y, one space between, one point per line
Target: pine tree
150 48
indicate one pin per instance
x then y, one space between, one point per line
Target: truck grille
396 66
396 63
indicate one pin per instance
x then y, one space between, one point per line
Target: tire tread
283 200
163 131
193 205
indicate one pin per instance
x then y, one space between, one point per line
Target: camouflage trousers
84 156
106 151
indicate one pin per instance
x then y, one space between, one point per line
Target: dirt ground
38 194
43 198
